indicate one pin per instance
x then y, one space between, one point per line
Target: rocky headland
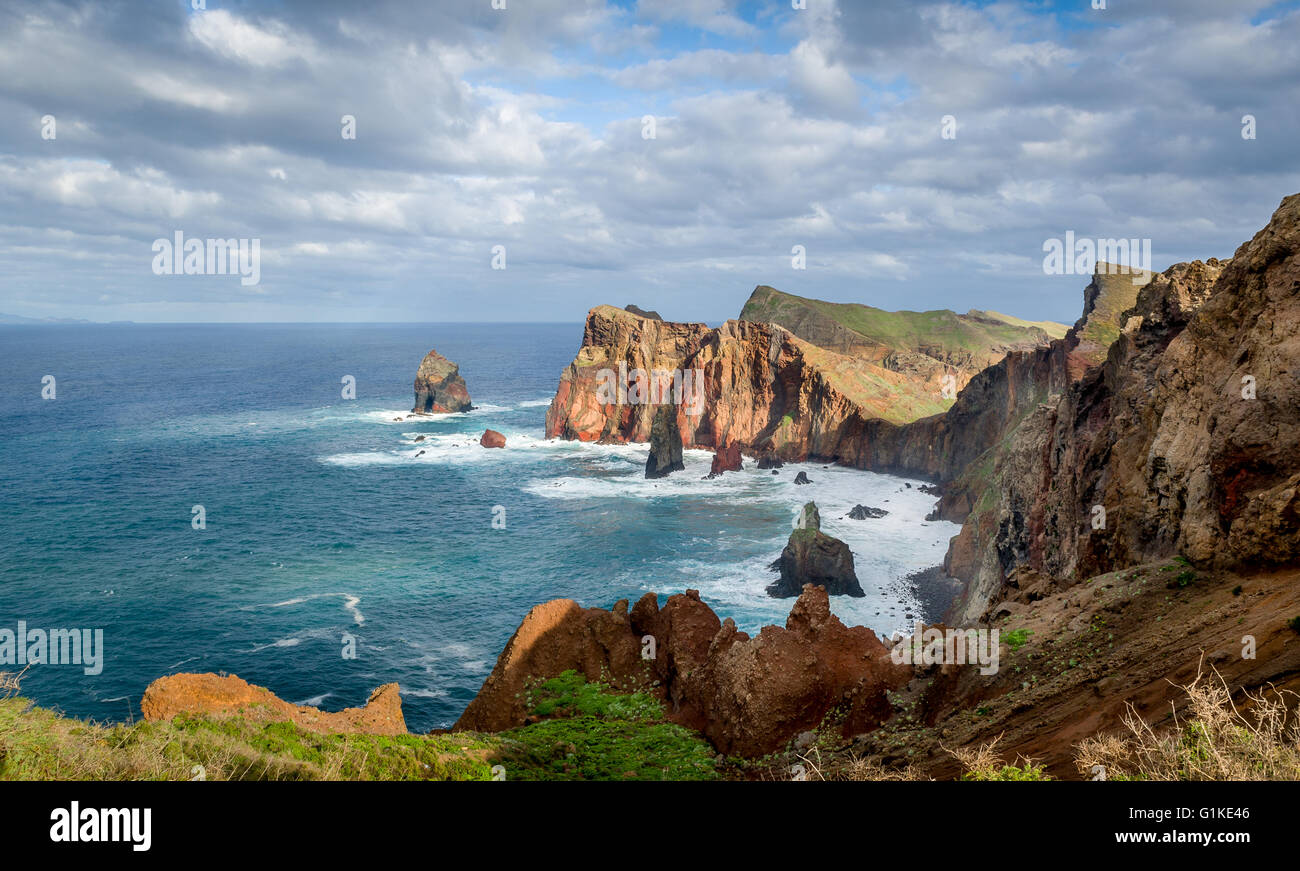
1130 492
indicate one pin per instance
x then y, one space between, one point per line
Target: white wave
350 603
390 416
462 448
283 642
884 549
314 701
535 403
423 693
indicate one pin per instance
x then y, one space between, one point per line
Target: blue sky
522 128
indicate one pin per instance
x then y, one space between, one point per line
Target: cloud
523 127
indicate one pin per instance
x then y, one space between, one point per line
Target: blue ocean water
323 519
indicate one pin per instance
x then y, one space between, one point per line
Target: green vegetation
1017 638
38 744
1052 328
601 735
572 695
816 321
1009 772
587 733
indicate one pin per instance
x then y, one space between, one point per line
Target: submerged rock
665 444
439 387
863 512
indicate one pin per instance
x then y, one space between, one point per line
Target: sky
530 162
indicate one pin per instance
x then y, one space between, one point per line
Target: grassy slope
900 330
1052 328
587 733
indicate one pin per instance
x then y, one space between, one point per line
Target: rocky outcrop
811 557
864 512
665 444
726 459
554 637
775 394
228 695
439 387
748 696
1182 442
492 439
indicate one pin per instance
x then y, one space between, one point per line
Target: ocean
322 523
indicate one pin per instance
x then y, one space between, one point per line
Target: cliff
838 392
1181 442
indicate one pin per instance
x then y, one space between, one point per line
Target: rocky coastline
1130 495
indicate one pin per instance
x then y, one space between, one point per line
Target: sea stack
439 387
726 459
665 444
813 557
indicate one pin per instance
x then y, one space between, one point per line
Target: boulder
492 439
665 444
802 478
726 459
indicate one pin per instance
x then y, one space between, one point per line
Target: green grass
599 735
587 733
1009 772
572 695
38 744
900 330
1017 638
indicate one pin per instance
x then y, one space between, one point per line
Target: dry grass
1214 740
813 767
985 763
39 744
